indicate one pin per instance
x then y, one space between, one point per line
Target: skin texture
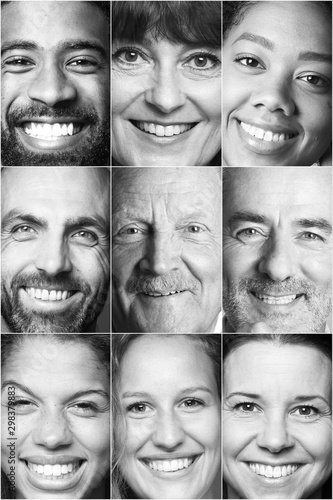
269 88
55 82
168 420
46 254
282 255
275 427
165 85
54 422
166 237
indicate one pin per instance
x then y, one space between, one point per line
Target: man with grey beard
55 261
166 249
277 242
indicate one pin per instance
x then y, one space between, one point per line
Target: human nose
278 259
274 434
52 430
53 257
51 85
274 95
160 256
168 433
165 91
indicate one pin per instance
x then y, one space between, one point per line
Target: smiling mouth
57 471
50 295
276 301
170 465
265 135
273 472
157 294
51 132
163 131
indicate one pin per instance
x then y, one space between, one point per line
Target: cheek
317 441
124 262
207 97
125 90
316 117
138 432
238 262
236 436
318 268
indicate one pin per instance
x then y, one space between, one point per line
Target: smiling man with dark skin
55 262
277 240
55 83
166 249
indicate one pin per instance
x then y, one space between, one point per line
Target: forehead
74 191
47 23
272 191
304 23
177 189
47 367
172 363
274 371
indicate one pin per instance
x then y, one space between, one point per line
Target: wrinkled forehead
174 187
278 190
77 188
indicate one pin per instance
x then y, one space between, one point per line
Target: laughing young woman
277 100
167 416
166 83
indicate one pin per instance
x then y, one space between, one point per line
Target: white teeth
161 131
265 135
52 295
56 470
152 294
51 132
273 472
170 465
269 299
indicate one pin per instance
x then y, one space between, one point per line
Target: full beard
93 151
77 319
308 318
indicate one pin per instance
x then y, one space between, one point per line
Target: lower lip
173 296
274 481
262 147
49 305
275 308
163 140
59 483
61 143
172 476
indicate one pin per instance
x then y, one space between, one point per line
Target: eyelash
238 405
204 54
325 83
142 403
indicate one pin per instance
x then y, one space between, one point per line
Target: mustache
37 110
171 281
292 285
43 280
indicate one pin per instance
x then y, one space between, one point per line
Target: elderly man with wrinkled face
277 241
55 260
166 242
55 83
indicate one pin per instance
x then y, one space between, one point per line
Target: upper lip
277 464
50 288
165 124
170 456
52 459
50 120
276 128
165 291
271 294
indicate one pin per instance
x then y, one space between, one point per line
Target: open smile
163 130
52 295
170 465
163 294
49 300
54 477
51 132
264 141
274 472
278 299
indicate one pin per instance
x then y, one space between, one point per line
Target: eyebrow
305 397
75 395
307 223
268 44
70 44
95 221
261 40
130 394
